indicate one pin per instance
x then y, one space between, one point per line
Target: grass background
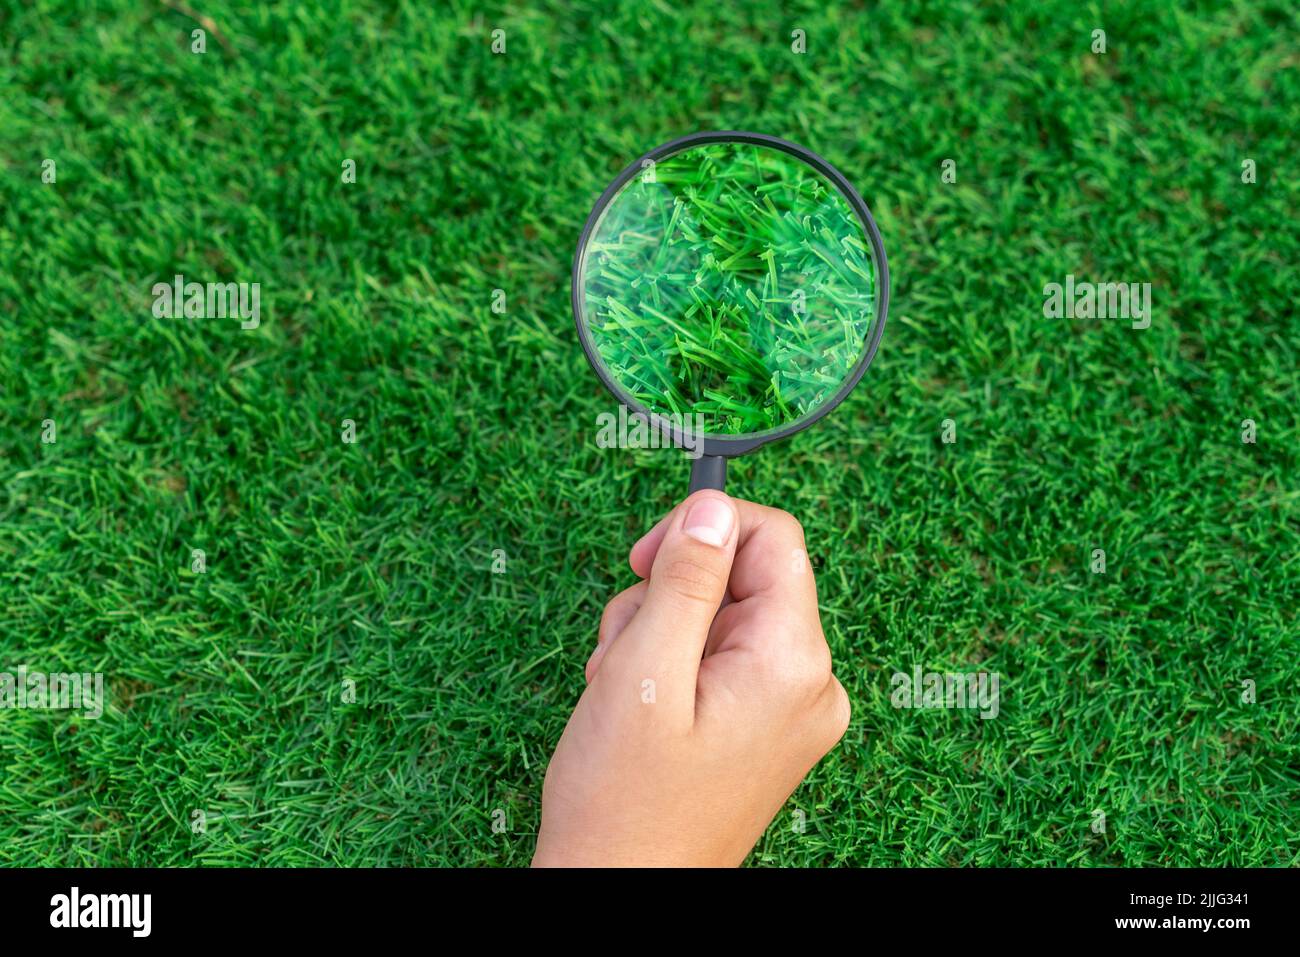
476 431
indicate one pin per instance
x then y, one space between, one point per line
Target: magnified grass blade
733 281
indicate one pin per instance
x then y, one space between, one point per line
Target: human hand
697 723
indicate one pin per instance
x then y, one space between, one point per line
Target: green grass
372 561
730 281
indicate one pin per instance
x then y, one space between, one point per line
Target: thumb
687 584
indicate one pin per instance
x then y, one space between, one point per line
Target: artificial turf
451 563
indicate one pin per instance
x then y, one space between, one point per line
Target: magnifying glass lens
731 280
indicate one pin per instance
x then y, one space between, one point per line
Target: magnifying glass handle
709 471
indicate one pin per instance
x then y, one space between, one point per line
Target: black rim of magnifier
732 445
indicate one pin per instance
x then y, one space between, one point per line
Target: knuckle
839 712
618 609
801 674
815 672
605 619
788 523
693 580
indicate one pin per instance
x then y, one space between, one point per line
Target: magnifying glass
731 288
